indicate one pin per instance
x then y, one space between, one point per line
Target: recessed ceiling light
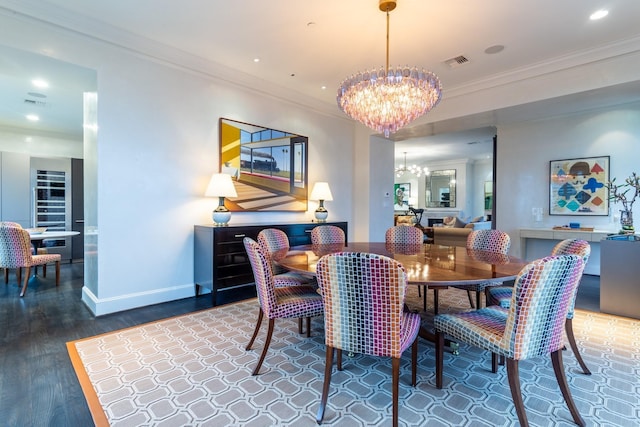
599 14
494 49
39 83
323 87
32 117
256 59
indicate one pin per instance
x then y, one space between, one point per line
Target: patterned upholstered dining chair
502 295
273 240
278 302
327 234
363 299
407 234
532 327
485 240
404 234
16 252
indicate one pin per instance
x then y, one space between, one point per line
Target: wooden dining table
430 265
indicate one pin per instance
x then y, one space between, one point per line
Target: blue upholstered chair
533 325
276 300
363 298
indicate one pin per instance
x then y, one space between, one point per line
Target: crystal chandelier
387 100
414 169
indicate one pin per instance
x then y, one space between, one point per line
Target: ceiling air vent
35 103
457 61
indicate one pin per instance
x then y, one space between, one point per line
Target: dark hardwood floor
38 386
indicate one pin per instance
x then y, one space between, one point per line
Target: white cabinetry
15 193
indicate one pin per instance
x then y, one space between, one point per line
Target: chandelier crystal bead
388 99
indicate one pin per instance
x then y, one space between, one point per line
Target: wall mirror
488 195
441 189
268 166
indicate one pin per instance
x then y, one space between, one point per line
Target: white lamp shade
221 185
321 191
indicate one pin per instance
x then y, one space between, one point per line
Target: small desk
38 238
426 265
548 234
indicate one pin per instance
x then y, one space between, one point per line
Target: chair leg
439 358
514 384
414 362
435 301
19 275
470 298
328 367
300 325
44 270
494 363
556 359
266 347
395 368
478 300
339 359
308 326
568 327
57 273
26 281
6 276
256 329
424 297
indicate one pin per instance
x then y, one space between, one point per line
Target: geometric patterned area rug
193 370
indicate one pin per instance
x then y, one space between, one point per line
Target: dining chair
502 295
404 234
486 240
16 252
531 327
364 297
273 240
327 234
407 234
278 302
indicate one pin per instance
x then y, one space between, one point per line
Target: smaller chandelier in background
387 100
414 169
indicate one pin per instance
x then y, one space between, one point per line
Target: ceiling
309 47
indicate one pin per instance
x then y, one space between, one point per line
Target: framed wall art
268 166
578 186
402 192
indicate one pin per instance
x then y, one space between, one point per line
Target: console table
220 260
619 290
594 237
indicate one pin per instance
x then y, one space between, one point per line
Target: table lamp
221 186
321 192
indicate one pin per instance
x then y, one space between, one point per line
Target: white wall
524 151
157 147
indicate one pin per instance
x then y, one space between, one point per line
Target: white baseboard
102 306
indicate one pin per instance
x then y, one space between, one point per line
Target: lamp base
221 216
321 214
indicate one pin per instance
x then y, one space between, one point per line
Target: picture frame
269 167
578 186
401 194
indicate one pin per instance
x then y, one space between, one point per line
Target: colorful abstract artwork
578 186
